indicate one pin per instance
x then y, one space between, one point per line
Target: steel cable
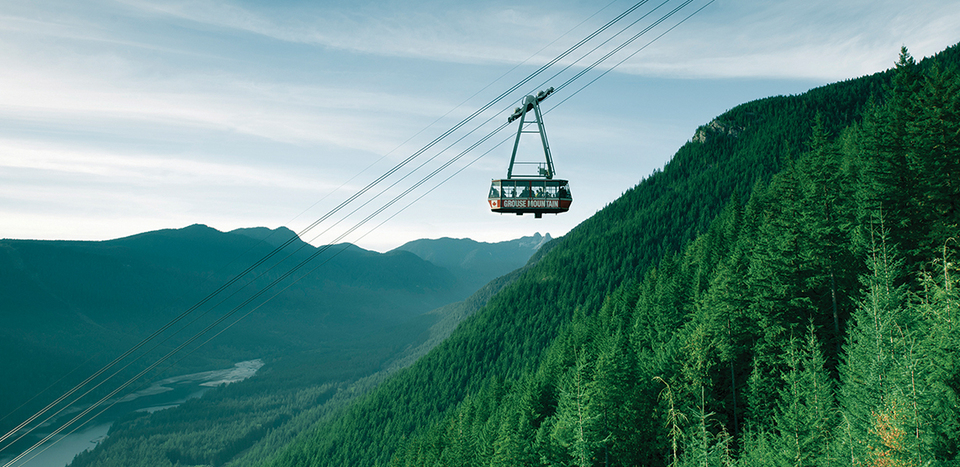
368 218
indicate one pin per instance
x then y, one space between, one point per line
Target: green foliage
790 331
805 416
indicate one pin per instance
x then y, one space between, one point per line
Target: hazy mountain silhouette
476 263
77 304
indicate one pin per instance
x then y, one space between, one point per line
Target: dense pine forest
783 292
814 324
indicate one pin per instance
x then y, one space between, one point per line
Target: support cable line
634 53
323 218
262 291
493 117
292 271
388 205
250 300
380 211
581 88
625 43
461 104
577 76
598 46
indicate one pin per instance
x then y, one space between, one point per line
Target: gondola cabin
529 196
535 193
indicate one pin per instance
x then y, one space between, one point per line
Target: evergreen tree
756 450
891 182
779 301
827 217
939 377
871 390
805 414
675 419
577 427
933 137
509 447
618 402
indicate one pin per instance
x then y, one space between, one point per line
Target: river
163 394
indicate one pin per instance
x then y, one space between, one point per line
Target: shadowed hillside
69 307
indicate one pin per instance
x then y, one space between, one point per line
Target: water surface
166 393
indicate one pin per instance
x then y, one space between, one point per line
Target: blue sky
118 117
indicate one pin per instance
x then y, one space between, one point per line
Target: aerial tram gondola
537 193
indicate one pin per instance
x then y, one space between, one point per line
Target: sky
120 117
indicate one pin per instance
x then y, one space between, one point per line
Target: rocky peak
715 127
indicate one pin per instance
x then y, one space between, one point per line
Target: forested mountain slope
516 399
67 301
69 307
814 325
246 423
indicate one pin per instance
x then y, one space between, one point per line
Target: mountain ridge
477 261
63 298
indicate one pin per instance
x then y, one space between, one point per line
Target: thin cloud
293 114
460 33
824 40
229 112
97 164
793 40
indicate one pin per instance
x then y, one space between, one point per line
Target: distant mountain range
70 305
475 263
